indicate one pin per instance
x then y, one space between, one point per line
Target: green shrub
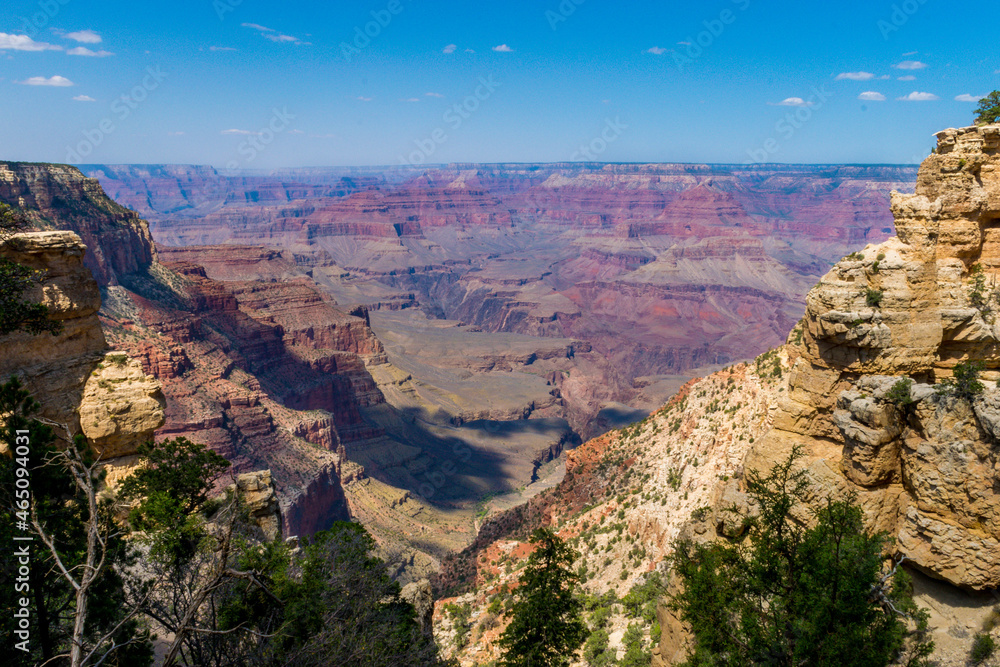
983 646
873 297
900 393
965 381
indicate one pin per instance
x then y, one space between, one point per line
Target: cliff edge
914 306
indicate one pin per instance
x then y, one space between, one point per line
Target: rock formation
914 306
108 396
82 386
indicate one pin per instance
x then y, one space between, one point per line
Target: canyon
863 388
648 273
416 349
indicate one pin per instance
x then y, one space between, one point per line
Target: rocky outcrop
59 197
80 384
121 406
925 463
257 492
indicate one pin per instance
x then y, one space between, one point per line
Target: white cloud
884 77
450 48
221 48
919 97
965 97
84 51
684 43
503 48
908 77
409 99
871 96
366 99
57 81
791 102
433 94
84 98
469 51
910 53
235 131
656 50
855 76
24 43
910 64
85 36
323 136
273 35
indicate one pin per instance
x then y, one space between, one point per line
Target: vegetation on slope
163 562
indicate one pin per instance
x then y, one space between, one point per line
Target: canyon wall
915 306
193 337
82 385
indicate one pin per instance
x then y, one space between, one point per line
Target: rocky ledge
915 306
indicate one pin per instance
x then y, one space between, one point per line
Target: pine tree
546 629
988 110
790 595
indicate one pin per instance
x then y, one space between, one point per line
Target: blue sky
251 84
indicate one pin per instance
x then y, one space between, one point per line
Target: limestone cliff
81 384
914 306
59 197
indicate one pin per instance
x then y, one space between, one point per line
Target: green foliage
964 382
636 654
981 297
790 595
900 394
988 111
170 494
16 314
460 615
641 600
339 606
873 297
545 628
62 508
596 652
983 646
